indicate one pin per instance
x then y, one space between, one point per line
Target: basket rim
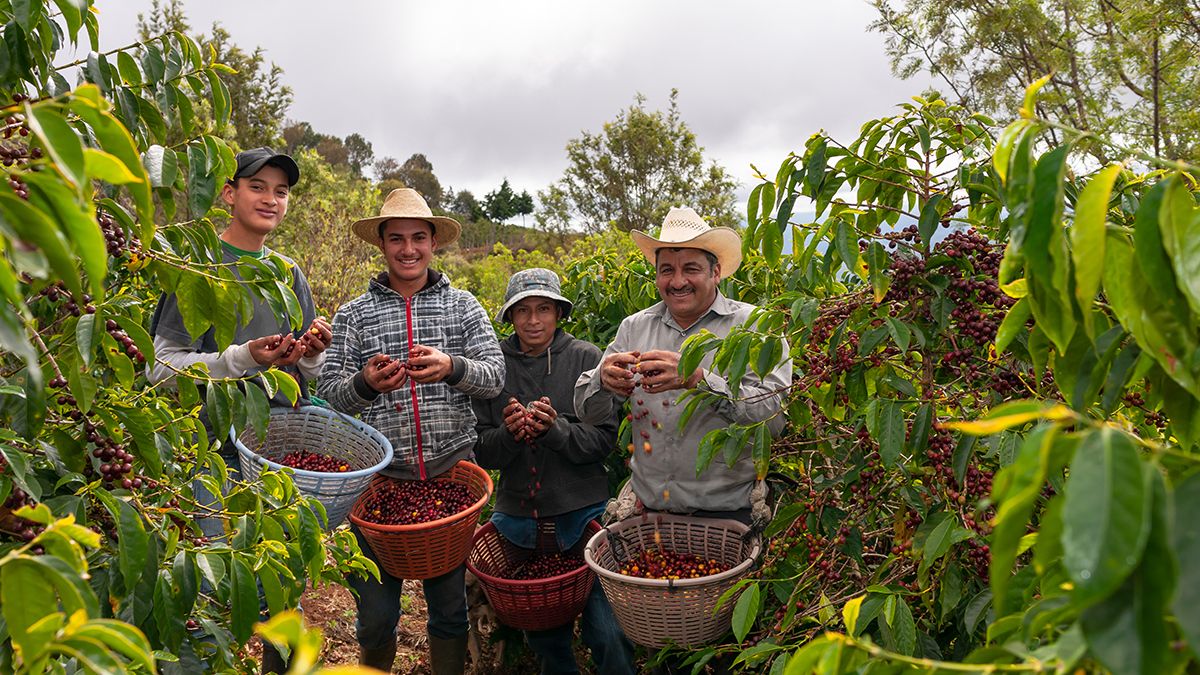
370 431
430 524
490 527
737 570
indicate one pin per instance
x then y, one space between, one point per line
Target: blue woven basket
329 433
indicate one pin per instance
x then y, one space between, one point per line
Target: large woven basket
321 430
426 550
655 612
530 604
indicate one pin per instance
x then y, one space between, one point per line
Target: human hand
660 372
383 373
318 336
429 364
514 419
276 350
616 374
540 416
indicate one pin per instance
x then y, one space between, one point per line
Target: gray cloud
488 90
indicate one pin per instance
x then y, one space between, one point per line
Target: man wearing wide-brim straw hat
409 355
642 364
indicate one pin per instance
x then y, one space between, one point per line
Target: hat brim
445 230
284 162
722 242
566 304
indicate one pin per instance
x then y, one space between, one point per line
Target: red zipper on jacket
412 387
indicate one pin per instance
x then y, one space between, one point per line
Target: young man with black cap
551 464
257 197
409 354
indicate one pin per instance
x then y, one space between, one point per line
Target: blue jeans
379 603
611 650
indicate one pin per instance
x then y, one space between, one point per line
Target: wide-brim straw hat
407 203
534 282
684 228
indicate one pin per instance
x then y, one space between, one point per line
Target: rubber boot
448 656
380 658
272 660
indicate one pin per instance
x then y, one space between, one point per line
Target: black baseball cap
250 162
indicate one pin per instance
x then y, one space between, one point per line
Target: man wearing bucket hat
642 364
409 354
257 197
551 464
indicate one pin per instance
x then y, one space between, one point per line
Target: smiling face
687 283
534 320
408 245
257 203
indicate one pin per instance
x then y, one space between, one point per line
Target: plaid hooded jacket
381 321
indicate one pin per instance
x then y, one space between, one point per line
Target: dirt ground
332 610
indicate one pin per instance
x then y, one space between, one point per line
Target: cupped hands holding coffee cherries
527 422
286 349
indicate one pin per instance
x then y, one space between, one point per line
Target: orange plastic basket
530 604
426 550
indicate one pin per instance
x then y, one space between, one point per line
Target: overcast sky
489 90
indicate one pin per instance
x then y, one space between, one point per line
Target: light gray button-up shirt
664 477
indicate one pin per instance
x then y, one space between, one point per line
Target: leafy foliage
102 566
1119 68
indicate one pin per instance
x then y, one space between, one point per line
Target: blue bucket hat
533 282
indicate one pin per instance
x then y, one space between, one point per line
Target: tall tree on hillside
501 204
416 172
465 203
258 97
1129 68
359 152
632 171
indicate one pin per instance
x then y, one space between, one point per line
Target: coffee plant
107 203
990 455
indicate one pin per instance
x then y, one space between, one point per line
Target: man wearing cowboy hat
642 364
409 355
551 464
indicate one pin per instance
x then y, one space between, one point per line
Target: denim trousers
611 650
379 603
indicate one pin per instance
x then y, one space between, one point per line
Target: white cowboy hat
684 228
407 203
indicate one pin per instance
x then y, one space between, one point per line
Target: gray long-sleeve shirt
665 478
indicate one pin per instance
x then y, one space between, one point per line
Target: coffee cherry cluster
115 239
17 527
122 338
544 566
666 564
116 468
314 461
408 502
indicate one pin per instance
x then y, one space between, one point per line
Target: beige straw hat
684 228
407 203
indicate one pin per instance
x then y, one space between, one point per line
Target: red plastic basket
426 550
532 604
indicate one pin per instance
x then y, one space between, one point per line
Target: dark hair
383 224
708 255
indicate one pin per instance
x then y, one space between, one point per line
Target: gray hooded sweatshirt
569 457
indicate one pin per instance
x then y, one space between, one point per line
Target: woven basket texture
655 612
321 430
532 604
426 550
